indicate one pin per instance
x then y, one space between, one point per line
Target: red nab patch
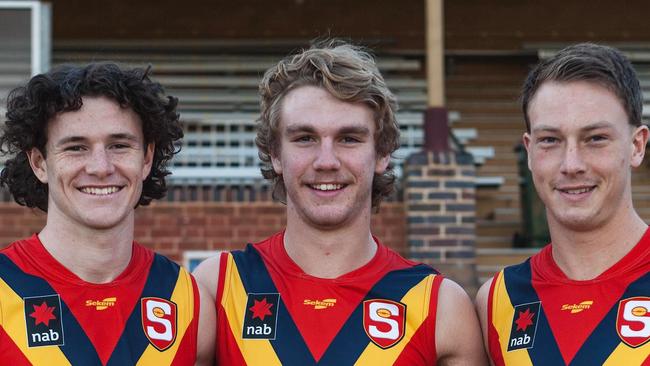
633 320
384 321
159 321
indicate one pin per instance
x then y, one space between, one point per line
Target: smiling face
327 158
580 151
94 165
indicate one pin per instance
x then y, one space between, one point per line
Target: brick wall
172 227
440 201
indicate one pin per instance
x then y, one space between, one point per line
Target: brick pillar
440 209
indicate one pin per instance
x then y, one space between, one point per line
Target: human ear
382 164
277 165
148 160
526 140
38 164
639 141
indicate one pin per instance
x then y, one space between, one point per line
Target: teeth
99 191
327 187
577 191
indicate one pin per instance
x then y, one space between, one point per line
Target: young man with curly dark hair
88 145
325 290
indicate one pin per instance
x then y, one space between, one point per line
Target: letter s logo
384 321
633 320
159 321
156 310
381 313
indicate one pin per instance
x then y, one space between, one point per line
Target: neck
95 256
329 253
584 255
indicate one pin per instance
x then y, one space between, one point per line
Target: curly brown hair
30 107
349 73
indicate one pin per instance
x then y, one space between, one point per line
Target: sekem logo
104 304
576 308
320 304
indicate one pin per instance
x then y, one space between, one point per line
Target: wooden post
435 38
436 129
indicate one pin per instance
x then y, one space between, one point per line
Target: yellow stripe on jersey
183 297
258 351
626 355
417 302
16 328
502 314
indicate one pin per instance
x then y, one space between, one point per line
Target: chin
327 221
578 222
101 225
104 222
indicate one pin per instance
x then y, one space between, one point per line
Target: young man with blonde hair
325 290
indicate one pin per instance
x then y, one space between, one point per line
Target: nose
99 163
573 162
327 157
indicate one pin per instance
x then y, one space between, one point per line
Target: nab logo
524 326
159 321
261 316
43 320
384 321
633 320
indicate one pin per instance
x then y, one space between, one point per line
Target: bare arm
207 330
458 334
482 310
207 277
207 274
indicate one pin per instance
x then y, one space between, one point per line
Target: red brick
219 231
219 210
193 245
243 221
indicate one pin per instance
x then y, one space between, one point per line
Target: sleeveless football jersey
538 316
269 312
48 316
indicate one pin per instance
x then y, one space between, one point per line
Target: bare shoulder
207 274
453 303
458 334
481 303
205 348
482 296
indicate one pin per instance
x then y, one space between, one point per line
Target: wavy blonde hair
349 73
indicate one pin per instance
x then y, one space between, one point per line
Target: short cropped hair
590 62
31 107
349 73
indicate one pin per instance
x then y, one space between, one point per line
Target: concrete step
500 228
491 260
494 241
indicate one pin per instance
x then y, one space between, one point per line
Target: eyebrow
298 128
597 125
356 130
590 127
113 136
